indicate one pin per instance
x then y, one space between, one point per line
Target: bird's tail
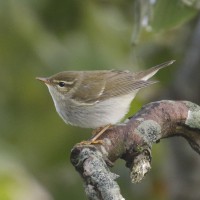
147 74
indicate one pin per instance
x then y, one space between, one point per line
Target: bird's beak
44 80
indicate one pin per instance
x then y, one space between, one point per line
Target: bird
97 99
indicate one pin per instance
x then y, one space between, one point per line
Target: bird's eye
61 84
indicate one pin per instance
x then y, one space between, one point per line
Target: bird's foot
91 142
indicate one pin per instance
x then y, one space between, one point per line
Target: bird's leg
97 133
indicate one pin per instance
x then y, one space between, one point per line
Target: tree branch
132 141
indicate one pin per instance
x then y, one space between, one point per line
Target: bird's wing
125 82
122 83
100 86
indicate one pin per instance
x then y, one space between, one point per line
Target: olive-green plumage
96 98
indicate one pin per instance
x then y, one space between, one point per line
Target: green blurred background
42 37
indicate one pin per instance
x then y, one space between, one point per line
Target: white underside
95 115
107 112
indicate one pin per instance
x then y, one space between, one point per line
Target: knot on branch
140 167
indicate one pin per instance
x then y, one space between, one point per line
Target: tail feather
145 75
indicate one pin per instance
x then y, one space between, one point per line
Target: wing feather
97 86
122 84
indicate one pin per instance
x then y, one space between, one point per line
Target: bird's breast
95 115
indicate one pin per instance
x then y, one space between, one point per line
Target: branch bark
132 141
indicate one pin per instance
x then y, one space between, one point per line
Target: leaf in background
169 14
192 3
161 15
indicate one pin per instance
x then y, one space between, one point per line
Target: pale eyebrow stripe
66 82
